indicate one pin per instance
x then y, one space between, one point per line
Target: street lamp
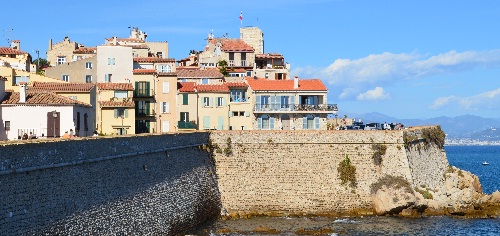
54 114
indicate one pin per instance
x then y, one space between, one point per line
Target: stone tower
254 37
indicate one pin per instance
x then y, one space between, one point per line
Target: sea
468 158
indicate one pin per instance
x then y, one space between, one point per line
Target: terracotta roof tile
199 73
125 40
236 84
153 59
41 98
116 104
217 88
237 70
167 73
84 50
186 87
143 71
10 51
233 45
269 56
61 87
115 86
285 85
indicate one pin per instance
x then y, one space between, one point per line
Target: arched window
265 122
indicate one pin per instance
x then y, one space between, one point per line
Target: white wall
121 70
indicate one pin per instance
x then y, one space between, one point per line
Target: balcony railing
144 93
185 125
288 107
145 112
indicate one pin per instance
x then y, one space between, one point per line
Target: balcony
287 108
186 125
144 112
144 93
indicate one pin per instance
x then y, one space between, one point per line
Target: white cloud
347 76
486 100
376 94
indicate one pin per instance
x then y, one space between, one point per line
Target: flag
241 15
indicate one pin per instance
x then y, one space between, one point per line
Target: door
53 124
285 122
165 126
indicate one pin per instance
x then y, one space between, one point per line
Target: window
265 122
142 89
107 77
7 125
220 101
121 94
85 122
159 54
184 116
238 95
77 128
72 97
249 73
88 78
310 122
165 107
185 100
235 113
242 113
184 80
111 61
164 68
204 81
65 78
19 79
206 102
61 60
88 65
166 87
121 113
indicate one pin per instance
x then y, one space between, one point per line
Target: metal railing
145 112
186 125
144 93
289 107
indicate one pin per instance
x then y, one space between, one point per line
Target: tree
41 63
223 67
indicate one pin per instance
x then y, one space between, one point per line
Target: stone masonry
295 172
157 184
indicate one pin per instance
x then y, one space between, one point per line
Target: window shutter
247 114
126 112
148 89
116 113
224 102
259 123
230 114
206 122
184 99
166 87
292 103
304 122
167 107
271 123
257 103
316 122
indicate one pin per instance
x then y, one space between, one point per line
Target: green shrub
390 181
425 193
380 150
434 135
347 172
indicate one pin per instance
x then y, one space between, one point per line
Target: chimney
296 82
114 40
22 92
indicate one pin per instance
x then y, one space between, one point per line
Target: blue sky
406 59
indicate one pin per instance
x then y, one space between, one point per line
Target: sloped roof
10 51
285 85
186 87
143 71
199 73
40 98
214 88
232 45
61 87
236 84
153 59
84 50
269 56
115 86
116 104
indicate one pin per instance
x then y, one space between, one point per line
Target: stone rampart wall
157 184
295 172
